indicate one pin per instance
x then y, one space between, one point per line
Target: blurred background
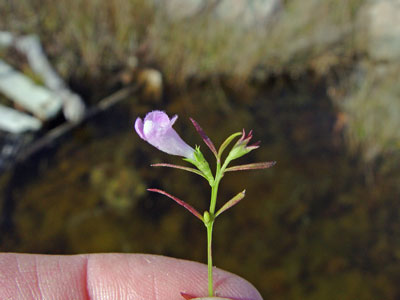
317 81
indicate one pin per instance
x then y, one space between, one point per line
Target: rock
238 12
44 102
248 13
17 122
6 39
382 19
180 9
36 99
11 145
73 105
152 83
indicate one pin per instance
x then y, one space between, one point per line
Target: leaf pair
191 209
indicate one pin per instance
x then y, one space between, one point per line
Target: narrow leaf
255 166
231 203
227 142
180 167
180 202
205 138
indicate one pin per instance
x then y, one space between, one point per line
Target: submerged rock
10 146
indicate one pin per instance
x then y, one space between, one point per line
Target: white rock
22 90
6 39
180 9
16 122
151 82
31 47
383 21
248 13
238 12
73 105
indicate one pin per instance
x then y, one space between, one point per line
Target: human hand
112 276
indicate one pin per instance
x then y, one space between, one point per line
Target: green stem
214 191
209 258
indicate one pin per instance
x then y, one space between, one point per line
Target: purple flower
156 129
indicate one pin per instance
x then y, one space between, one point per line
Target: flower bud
241 148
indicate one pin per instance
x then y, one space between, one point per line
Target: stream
314 226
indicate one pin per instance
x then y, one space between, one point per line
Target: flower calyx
201 163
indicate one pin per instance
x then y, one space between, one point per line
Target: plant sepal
201 163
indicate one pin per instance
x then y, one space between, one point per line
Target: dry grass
82 36
296 36
92 36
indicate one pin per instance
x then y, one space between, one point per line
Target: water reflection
311 227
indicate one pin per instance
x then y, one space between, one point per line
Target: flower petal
173 119
139 127
159 117
148 128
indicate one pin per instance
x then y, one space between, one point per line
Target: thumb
113 276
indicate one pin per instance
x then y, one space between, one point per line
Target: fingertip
113 276
147 277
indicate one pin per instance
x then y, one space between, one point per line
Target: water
312 227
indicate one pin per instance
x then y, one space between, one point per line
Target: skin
112 276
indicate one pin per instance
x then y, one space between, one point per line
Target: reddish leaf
180 167
255 166
205 138
180 202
